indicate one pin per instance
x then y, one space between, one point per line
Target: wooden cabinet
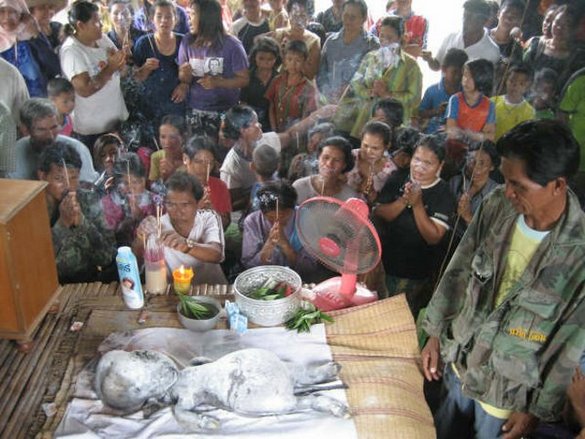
28 275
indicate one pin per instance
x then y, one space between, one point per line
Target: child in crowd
264 63
278 16
106 150
129 202
432 108
200 160
543 93
471 116
270 238
512 108
265 160
62 94
291 95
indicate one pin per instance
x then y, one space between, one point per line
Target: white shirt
485 48
207 229
103 110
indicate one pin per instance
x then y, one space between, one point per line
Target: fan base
327 297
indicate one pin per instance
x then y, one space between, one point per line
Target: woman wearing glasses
416 208
191 237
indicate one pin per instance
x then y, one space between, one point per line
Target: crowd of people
207 122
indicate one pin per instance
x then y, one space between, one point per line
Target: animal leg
193 421
316 374
325 404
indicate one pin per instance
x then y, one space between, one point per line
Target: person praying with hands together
92 63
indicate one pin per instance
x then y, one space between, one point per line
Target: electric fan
341 237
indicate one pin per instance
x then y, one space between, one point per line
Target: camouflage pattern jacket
81 251
521 355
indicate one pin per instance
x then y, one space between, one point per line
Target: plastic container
155 268
129 278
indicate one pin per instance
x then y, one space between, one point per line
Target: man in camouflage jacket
84 246
517 356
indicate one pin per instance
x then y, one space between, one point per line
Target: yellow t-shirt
509 115
523 244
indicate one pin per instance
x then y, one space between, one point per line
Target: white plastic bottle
129 278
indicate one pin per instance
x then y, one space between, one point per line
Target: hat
479 7
57 4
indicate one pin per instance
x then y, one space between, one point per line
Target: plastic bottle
129 278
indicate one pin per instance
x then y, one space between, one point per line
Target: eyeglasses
423 164
180 206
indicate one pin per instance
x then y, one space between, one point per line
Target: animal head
126 380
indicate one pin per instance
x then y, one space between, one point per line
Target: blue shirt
434 96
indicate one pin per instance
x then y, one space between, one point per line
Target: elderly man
39 120
84 247
473 38
508 317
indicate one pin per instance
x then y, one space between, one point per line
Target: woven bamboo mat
376 345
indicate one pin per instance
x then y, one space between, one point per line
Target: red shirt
219 195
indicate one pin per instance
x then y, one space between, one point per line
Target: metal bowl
200 325
267 312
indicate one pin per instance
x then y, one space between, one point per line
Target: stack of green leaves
271 290
306 316
193 309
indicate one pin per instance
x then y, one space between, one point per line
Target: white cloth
236 172
103 110
86 417
485 48
207 229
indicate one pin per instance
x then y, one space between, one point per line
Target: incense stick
297 136
208 171
276 208
156 143
149 38
66 173
323 187
128 172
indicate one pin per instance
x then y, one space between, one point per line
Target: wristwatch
190 243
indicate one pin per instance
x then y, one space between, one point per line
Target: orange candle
182 278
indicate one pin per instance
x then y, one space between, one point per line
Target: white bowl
267 312
200 324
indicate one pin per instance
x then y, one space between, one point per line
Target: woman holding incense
123 32
192 237
129 202
213 66
270 237
155 55
172 135
335 160
91 62
200 161
385 73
